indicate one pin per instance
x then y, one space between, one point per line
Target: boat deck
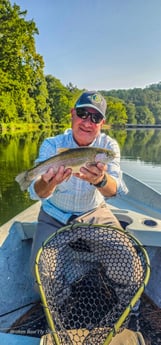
139 210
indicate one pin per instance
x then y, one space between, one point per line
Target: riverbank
130 125
13 127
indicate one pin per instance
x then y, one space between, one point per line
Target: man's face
84 130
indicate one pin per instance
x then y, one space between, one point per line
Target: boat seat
145 228
46 340
26 229
128 337
14 339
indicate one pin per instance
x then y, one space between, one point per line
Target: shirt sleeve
114 168
47 149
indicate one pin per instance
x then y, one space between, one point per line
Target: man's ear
73 112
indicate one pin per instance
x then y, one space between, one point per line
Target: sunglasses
94 117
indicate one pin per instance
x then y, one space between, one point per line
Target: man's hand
92 173
62 174
48 181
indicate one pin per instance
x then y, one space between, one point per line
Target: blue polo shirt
76 196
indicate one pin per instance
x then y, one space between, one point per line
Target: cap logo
96 98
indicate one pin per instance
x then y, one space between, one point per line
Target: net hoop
101 230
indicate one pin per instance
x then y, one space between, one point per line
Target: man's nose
87 120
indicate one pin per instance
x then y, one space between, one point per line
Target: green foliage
131 112
144 115
26 95
143 106
61 100
116 112
8 111
23 87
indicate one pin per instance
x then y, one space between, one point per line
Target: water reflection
143 144
18 152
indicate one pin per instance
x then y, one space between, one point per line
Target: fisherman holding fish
72 184
75 173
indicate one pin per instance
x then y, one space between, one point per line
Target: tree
144 115
21 68
131 112
116 112
61 99
156 110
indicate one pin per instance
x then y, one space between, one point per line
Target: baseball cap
92 99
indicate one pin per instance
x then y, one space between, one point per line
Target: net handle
44 301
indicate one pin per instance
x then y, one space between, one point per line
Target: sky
98 44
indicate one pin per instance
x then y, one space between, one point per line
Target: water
141 156
140 151
146 172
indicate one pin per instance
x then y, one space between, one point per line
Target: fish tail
22 180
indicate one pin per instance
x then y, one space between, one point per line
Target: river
140 152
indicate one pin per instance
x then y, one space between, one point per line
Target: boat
139 212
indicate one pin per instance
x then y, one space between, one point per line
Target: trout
69 158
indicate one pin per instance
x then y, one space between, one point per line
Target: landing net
90 277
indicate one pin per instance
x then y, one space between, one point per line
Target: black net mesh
89 275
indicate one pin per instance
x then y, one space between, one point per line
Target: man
66 196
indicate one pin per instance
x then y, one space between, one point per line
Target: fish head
105 157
